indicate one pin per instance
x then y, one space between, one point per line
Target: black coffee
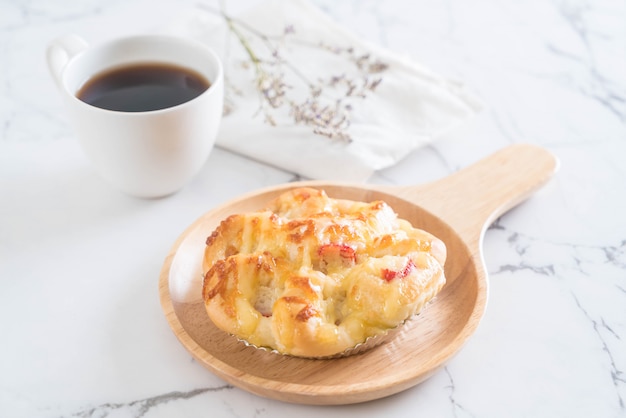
143 87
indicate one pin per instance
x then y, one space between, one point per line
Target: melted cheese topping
312 276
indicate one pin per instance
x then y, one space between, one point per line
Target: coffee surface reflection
143 87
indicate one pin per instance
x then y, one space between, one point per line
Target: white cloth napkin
410 107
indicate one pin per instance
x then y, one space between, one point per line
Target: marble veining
142 407
582 260
83 333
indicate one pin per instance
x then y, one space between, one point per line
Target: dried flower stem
328 116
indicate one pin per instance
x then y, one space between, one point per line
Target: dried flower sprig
328 106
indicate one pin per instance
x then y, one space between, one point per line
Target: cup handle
61 51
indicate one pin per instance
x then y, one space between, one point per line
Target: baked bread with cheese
312 276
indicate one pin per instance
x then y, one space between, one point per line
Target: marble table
82 331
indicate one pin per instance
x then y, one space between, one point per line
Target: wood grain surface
457 209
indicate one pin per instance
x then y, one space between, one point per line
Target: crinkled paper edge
370 342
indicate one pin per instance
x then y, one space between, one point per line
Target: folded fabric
305 95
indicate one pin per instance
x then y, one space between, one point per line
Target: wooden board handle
472 198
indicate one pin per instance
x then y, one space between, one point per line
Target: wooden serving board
456 209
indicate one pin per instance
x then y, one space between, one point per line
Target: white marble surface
82 332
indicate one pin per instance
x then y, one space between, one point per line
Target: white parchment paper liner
369 343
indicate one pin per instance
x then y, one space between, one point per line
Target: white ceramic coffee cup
145 154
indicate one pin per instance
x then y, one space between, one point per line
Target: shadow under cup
145 154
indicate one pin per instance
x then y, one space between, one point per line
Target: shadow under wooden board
456 209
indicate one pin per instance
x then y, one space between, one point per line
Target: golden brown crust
313 276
